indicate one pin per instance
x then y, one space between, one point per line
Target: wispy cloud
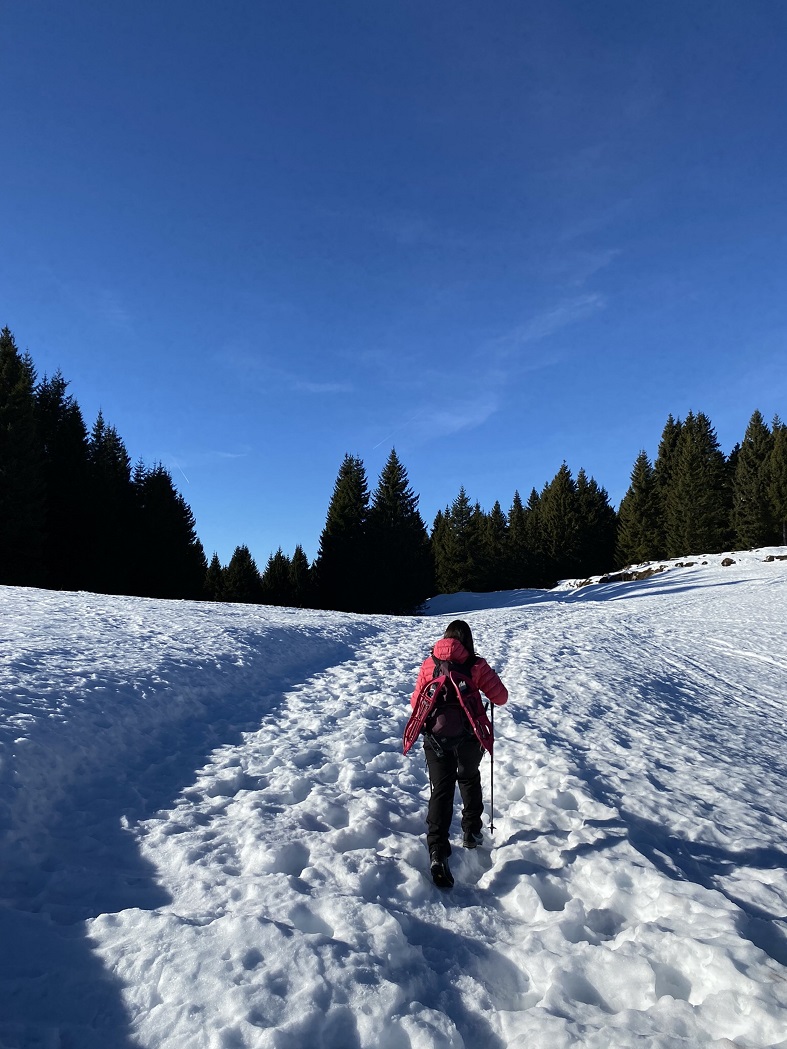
463 416
259 369
621 210
194 460
217 454
566 313
500 362
109 305
575 267
458 415
404 227
542 325
410 229
94 301
324 387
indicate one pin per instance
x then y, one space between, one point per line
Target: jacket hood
450 648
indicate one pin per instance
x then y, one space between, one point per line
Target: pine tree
534 540
442 554
64 446
698 500
752 511
171 561
477 543
664 468
276 585
399 549
639 533
777 483
598 527
519 557
301 579
560 526
242 578
115 552
732 465
342 569
495 547
214 580
22 485
457 540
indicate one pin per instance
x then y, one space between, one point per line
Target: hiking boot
472 839
441 875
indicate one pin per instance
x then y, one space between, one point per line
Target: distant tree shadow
653 586
695 861
703 862
54 991
84 861
446 954
670 582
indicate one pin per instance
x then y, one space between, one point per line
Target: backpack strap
421 710
469 700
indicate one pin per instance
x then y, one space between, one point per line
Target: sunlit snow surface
210 837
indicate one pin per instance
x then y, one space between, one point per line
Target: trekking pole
492 775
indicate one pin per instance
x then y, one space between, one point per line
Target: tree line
374 553
74 514
695 499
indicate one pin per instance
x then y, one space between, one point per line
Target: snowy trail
254 874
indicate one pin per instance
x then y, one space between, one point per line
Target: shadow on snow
84 861
680 859
671 582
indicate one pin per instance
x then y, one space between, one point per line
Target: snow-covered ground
209 836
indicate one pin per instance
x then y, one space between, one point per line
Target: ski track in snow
210 837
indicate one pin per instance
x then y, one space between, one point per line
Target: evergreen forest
75 514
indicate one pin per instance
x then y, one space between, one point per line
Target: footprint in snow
289 858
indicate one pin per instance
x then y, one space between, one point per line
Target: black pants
446 769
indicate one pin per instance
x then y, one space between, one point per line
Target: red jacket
481 674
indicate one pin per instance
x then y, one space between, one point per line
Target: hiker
456 732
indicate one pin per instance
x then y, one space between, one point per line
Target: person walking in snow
449 712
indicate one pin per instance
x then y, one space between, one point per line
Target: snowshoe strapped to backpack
449 708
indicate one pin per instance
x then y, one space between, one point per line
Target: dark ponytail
460 631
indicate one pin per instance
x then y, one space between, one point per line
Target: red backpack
448 707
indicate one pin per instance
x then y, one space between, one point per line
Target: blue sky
495 236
